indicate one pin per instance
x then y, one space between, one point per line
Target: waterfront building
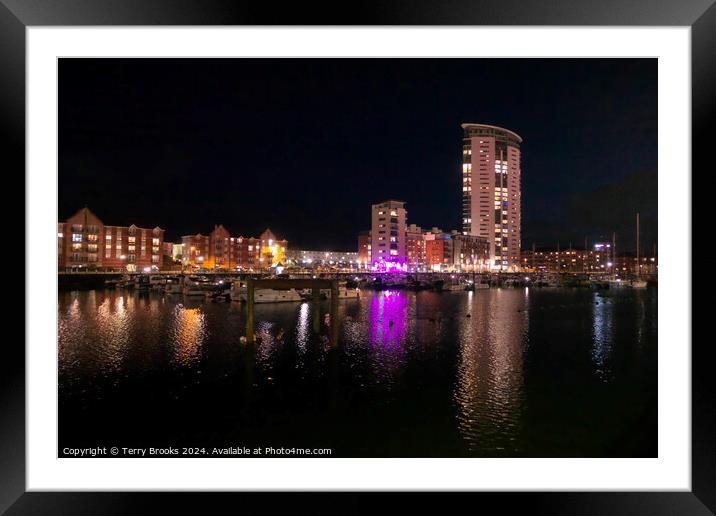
176 252
388 224
597 259
415 248
84 242
438 250
470 252
325 259
220 251
364 248
491 195
273 250
195 251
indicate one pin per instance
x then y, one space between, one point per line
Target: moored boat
173 285
197 286
239 292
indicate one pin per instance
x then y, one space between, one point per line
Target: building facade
364 248
220 251
415 248
597 259
470 252
491 191
331 259
388 225
195 250
438 250
84 242
273 250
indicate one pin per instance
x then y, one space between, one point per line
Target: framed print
409 250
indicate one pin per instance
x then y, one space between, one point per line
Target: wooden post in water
334 313
249 311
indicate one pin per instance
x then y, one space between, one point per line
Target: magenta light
382 266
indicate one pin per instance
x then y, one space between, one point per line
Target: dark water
531 373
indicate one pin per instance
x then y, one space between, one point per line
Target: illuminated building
470 252
273 251
176 252
491 203
364 247
84 242
322 259
415 248
388 224
221 251
598 259
195 251
438 250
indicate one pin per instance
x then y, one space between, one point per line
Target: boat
599 283
126 282
618 283
548 280
510 283
239 292
157 282
173 285
142 282
634 282
269 295
219 295
197 286
454 287
416 284
627 283
638 282
110 283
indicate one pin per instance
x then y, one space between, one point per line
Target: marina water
521 372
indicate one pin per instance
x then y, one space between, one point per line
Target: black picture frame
17 15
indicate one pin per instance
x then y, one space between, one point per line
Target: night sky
305 146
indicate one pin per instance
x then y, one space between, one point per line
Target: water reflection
487 373
187 332
489 383
602 335
388 323
114 330
302 328
388 319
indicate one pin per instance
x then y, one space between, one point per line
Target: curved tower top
490 130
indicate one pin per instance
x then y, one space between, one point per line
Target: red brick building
415 248
364 247
220 251
84 242
195 250
438 250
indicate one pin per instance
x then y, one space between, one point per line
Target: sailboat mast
638 267
614 254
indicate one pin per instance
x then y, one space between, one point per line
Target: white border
670 471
